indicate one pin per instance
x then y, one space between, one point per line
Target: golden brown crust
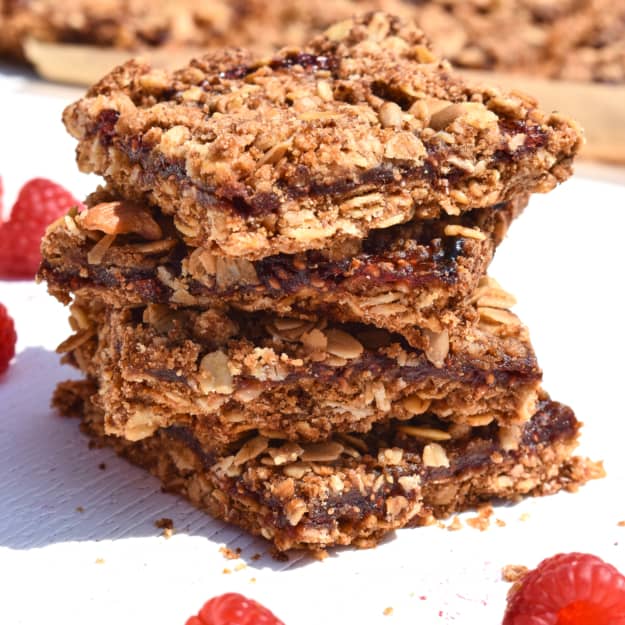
364 128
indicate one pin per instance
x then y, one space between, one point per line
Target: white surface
564 261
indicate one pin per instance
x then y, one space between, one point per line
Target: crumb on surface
102 466
228 553
621 523
388 611
99 560
252 580
279 556
167 525
79 509
500 523
319 554
524 517
164 523
256 557
513 572
455 525
482 520
227 571
240 566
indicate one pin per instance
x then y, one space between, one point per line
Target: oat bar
355 489
416 275
362 129
227 373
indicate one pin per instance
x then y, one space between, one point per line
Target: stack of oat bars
279 298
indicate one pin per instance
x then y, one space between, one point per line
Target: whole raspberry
233 609
38 204
8 338
568 589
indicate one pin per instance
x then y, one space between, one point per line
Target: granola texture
410 277
568 39
355 490
364 128
142 25
225 374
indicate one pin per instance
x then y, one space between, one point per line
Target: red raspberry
568 589
233 609
8 339
38 204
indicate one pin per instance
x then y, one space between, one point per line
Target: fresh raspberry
8 339
38 204
233 609
568 589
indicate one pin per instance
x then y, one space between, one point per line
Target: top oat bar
364 128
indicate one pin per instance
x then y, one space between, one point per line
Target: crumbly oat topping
247 156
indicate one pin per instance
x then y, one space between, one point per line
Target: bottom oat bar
355 488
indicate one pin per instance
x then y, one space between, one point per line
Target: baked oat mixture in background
568 39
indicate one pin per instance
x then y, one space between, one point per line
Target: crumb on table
228 553
165 524
513 572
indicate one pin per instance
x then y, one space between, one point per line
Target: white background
109 564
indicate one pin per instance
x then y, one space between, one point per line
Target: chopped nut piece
480 420
476 114
409 482
75 341
416 405
435 456
438 347
425 432
315 341
342 344
254 447
297 470
120 218
214 375
294 510
287 453
390 115
97 252
497 315
390 456
510 437
453 230
322 452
